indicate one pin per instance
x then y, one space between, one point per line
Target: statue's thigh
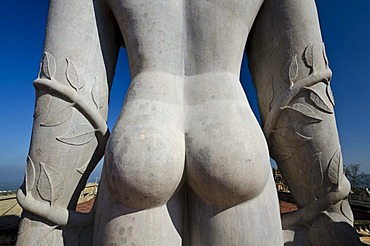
144 158
227 159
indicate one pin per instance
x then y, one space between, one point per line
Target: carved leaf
42 103
330 94
24 225
322 230
346 210
30 174
335 169
38 235
50 183
291 118
312 55
308 55
48 67
293 69
98 94
303 172
320 99
59 241
288 137
269 93
72 76
317 173
82 169
47 239
95 94
58 118
324 55
79 135
305 111
281 156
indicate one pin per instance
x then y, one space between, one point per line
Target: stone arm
69 130
291 75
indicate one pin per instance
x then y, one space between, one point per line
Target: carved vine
79 134
50 183
288 137
290 73
40 235
322 100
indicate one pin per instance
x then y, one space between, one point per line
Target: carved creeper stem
72 94
47 82
289 95
295 124
55 214
290 71
80 103
49 174
312 210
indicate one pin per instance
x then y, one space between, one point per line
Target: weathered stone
186 163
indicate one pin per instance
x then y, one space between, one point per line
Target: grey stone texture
187 162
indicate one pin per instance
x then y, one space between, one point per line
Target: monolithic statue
186 163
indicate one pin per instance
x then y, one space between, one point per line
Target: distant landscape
8 187
11 176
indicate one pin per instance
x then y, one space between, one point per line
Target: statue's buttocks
192 118
184 102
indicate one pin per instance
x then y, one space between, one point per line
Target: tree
356 177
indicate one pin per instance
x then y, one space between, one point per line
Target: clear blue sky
346 32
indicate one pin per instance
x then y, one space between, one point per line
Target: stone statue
186 163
